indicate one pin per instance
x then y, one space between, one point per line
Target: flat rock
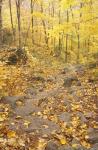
95 147
26 109
90 130
68 82
31 91
93 137
79 146
79 69
38 78
66 70
65 147
82 117
89 115
66 117
51 146
43 126
11 100
68 104
75 141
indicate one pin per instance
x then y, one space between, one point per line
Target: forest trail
48 74
54 114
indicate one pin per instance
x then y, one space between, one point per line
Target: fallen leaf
11 134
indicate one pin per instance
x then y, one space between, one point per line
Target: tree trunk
19 23
78 36
78 54
60 43
32 9
53 38
71 47
1 22
44 26
66 52
20 51
11 17
88 49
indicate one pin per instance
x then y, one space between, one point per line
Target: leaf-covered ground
48 108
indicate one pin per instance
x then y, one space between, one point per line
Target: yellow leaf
63 141
19 103
85 144
61 138
18 117
27 123
11 134
2 117
74 145
41 144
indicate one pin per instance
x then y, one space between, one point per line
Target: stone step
93 137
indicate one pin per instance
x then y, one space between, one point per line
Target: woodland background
48 74
64 29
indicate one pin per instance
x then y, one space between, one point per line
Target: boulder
78 145
93 137
68 82
38 78
92 65
67 104
66 70
65 147
66 117
31 91
79 68
95 147
82 117
51 146
12 60
11 100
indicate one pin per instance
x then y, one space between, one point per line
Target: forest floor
48 108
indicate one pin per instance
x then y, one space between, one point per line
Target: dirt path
56 113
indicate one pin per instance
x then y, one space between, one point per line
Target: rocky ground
57 112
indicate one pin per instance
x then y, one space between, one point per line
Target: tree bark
11 18
32 10
44 26
78 53
19 23
20 51
60 44
1 36
66 52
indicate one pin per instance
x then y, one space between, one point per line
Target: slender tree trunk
44 26
85 44
78 36
11 17
52 15
32 10
1 36
20 52
60 42
66 52
88 44
19 23
78 53
88 49
71 47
